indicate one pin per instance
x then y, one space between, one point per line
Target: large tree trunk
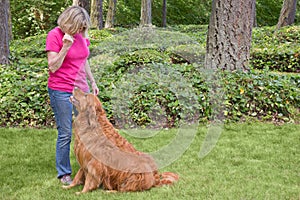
287 13
146 13
164 13
83 3
4 32
229 35
110 17
97 14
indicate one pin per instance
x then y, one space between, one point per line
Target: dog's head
84 101
87 106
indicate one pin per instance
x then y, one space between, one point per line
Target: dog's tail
166 178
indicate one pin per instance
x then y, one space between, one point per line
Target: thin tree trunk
10 34
109 22
100 16
164 13
254 14
146 13
287 13
4 32
229 35
96 14
83 3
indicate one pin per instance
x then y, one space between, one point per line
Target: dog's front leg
78 179
90 184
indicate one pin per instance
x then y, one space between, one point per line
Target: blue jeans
62 108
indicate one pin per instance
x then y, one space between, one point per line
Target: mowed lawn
249 161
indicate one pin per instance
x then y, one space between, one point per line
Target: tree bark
164 13
287 13
10 34
254 14
97 14
229 35
4 32
146 13
82 3
110 17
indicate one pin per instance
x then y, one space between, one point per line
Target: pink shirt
72 72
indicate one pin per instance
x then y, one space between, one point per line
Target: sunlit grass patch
249 161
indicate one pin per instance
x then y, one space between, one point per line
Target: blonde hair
74 19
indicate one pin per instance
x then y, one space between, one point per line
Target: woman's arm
55 59
91 78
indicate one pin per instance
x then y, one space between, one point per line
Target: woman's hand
68 40
95 88
55 60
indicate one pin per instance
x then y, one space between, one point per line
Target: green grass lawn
250 161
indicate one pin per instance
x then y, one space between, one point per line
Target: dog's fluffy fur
105 157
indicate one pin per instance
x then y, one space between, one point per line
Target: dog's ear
81 106
91 110
82 103
98 106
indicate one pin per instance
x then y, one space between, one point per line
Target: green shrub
30 47
276 51
261 95
141 57
162 82
23 95
133 78
272 50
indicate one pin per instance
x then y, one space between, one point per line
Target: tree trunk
100 16
164 13
97 14
229 35
109 22
146 13
287 13
10 34
82 3
4 32
254 14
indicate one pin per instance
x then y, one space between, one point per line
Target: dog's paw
111 191
66 187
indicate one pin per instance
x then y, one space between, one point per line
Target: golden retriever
105 157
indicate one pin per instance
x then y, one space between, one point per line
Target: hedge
161 82
276 50
164 95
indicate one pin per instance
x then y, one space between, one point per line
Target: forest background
33 17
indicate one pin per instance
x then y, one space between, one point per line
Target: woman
67 52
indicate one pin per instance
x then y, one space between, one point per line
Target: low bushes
23 95
159 95
165 94
276 50
262 95
159 80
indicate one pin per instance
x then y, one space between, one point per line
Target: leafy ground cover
250 161
122 61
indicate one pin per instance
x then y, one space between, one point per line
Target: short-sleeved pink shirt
72 72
